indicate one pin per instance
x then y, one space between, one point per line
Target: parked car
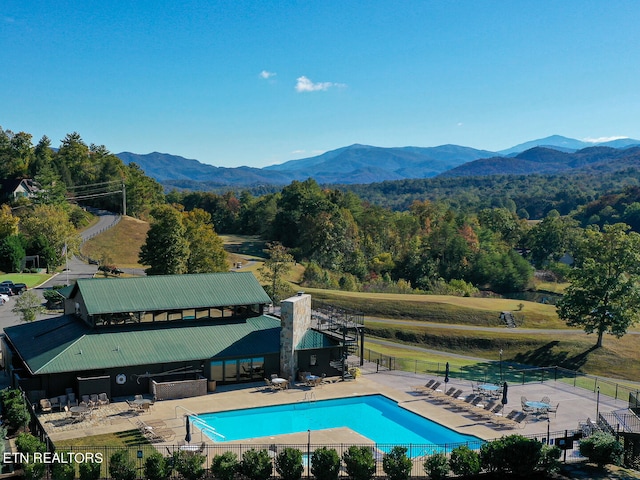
18 288
4 290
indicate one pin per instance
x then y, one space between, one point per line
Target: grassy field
443 308
29 279
120 245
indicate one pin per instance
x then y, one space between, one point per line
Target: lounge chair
505 420
497 410
103 399
422 388
486 408
434 390
45 405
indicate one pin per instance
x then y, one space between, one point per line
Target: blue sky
257 83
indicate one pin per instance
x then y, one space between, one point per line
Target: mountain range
363 164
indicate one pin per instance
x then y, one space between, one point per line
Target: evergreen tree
166 249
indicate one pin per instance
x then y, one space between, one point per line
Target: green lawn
30 279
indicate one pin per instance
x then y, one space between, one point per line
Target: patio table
538 406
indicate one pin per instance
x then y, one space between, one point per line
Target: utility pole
124 200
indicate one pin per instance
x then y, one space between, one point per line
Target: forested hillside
443 235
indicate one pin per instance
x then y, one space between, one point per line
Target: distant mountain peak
360 163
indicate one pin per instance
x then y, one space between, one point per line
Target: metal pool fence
499 371
418 453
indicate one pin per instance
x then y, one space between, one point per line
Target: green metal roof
170 292
313 339
66 344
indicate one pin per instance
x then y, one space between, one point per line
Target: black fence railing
417 452
497 371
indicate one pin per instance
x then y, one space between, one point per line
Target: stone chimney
296 320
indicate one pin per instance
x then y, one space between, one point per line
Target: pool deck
576 405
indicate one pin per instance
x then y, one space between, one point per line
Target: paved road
75 269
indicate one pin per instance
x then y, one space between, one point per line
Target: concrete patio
575 405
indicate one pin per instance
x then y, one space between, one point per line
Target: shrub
157 467
27 443
464 461
225 466
188 465
492 457
359 462
396 464
256 464
63 471
550 459
33 471
89 470
289 464
15 408
514 453
602 448
437 466
325 464
121 466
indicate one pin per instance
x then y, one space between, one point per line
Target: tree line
443 246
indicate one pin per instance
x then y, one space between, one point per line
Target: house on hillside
15 188
170 336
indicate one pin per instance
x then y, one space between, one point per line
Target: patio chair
546 400
137 397
85 398
554 409
55 403
45 405
103 399
63 400
94 398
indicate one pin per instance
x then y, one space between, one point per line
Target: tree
48 231
8 222
166 249
28 306
275 268
604 295
206 250
11 253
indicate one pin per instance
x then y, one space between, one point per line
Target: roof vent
300 293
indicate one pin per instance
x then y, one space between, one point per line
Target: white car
4 299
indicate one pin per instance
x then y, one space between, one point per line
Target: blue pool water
374 416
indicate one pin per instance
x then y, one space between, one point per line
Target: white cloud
304 84
602 139
267 75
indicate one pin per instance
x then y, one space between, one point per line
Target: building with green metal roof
136 335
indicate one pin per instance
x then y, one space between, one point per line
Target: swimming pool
376 417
